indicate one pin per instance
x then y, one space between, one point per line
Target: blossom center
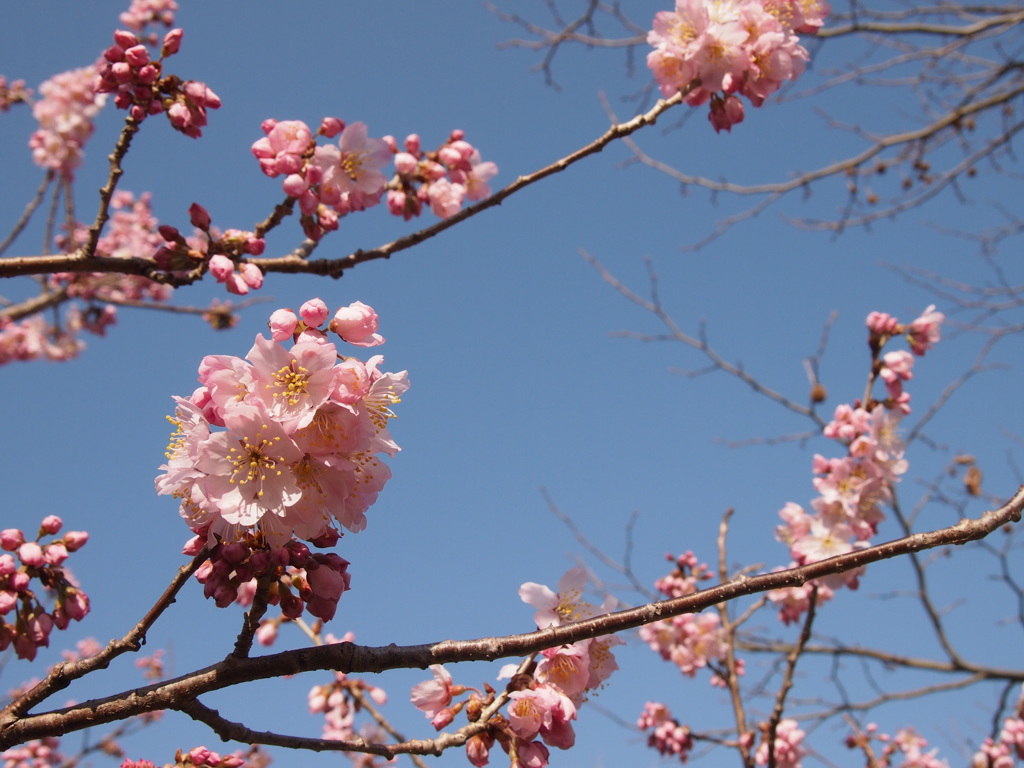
291 383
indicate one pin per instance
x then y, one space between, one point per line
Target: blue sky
518 381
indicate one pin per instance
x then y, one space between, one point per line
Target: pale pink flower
431 696
282 149
292 383
925 331
476 184
566 667
822 542
353 166
445 198
528 711
788 750
567 605
248 468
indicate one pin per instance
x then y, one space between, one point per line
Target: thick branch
350 658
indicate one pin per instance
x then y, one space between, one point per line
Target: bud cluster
44 563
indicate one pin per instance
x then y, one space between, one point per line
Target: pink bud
199 216
114 54
31 554
19 581
221 267
291 606
55 554
405 163
254 246
357 324
294 185
267 633
7 565
8 600
11 539
51 524
125 39
137 56
412 144
314 312
331 126
234 552
236 285
77 604
252 275
283 323
38 628
327 539
172 42
121 72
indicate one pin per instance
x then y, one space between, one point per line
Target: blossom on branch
726 47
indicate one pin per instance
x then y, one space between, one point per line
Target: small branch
83 260
62 674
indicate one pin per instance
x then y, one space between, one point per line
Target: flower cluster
723 49
223 252
330 181
543 695
284 443
144 12
132 232
668 737
135 78
12 92
339 702
33 623
200 757
235 570
32 339
1000 753
691 642
38 753
905 749
852 488
65 113
441 179
787 746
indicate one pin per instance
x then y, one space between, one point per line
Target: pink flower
528 711
567 605
788 750
353 166
924 332
357 324
248 468
566 667
282 150
292 384
431 696
881 324
445 198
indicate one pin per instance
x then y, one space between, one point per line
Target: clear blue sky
517 382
